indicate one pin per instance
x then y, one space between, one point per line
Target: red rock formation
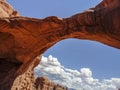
11 79
43 83
23 38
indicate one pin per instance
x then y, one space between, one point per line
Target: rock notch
24 38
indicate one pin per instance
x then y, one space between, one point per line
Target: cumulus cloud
78 80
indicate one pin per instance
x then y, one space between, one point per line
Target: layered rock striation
18 55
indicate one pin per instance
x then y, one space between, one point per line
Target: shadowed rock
24 38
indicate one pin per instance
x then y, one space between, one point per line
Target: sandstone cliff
43 83
17 54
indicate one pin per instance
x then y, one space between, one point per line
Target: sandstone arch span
24 38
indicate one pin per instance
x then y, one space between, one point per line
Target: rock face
11 79
6 10
43 83
24 38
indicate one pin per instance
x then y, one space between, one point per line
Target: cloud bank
78 80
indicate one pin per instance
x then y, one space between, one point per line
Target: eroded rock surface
24 38
43 83
6 10
11 79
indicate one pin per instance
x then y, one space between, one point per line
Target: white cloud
79 80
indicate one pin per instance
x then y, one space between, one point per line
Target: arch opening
87 59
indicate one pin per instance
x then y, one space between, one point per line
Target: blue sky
73 53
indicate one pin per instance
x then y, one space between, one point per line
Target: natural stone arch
29 37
